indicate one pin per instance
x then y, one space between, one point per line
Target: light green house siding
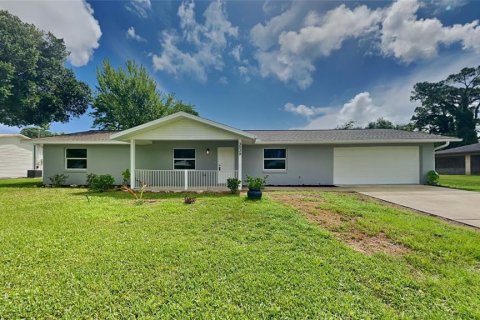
101 159
306 164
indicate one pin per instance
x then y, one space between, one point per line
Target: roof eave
368 141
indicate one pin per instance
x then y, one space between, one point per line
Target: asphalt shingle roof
275 135
84 136
471 148
342 135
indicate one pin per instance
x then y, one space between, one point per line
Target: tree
349 125
380 123
37 132
35 86
128 98
450 107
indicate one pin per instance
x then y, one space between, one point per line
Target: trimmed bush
233 184
433 178
101 183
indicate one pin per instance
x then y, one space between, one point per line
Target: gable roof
345 136
257 136
126 134
471 148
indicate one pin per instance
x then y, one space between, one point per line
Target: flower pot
254 194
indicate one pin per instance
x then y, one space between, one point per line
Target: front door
226 163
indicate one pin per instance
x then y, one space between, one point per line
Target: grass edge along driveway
463 182
64 256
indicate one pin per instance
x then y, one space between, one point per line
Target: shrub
58 180
233 184
433 178
126 177
101 183
189 200
256 183
90 178
138 196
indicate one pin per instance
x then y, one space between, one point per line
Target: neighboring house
18 155
182 151
461 160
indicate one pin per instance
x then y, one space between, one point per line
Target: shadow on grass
21 183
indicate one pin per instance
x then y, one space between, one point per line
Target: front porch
175 180
184 165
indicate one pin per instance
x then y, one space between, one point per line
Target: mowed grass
464 182
65 256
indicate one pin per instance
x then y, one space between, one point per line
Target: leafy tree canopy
37 132
35 86
380 123
450 107
129 97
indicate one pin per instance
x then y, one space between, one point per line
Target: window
274 159
76 159
184 159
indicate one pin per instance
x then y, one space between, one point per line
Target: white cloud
303 110
391 100
73 21
208 40
132 34
408 38
289 44
140 7
237 52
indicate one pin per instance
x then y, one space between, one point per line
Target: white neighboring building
18 155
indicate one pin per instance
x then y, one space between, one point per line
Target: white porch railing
183 179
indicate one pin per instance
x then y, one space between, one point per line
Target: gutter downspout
446 144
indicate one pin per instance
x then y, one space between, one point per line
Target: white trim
143 127
66 159
132 164
173 158
274 170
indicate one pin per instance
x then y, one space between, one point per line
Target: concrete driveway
457 205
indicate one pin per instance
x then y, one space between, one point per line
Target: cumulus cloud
73 21
140 7
303 110
390 100
132 34
207 41
289 44
408 38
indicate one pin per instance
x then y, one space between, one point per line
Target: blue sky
270 64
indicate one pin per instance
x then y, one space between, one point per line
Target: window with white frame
76 159
184 159
275 159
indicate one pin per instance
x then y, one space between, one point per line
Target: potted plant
255 186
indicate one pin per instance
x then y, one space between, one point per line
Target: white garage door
376 165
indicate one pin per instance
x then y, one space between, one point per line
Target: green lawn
65 256
461 182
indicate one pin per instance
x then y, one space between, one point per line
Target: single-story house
460 160
182 151
18 155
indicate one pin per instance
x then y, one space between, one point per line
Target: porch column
132 163
240 163
468 165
